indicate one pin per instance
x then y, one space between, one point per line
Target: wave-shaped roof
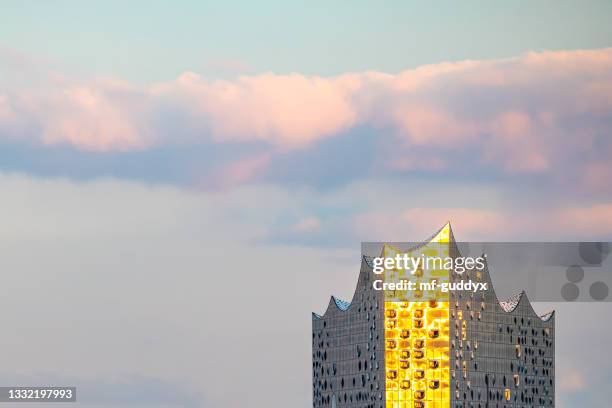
546 317
342 304
508 305
511 303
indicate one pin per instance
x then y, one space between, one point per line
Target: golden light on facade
415 337
417 355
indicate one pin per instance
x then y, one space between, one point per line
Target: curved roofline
520 296
548 316
345 306
340 304
427 240
514 300
545 318
336 302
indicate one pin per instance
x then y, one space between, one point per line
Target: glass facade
432 350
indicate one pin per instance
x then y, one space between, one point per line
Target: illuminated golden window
418 329
459 314
507 394
419 271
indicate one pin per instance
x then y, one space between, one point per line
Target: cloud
531 114
162 294
163 284
308 224
88 118
572 382
238 172
285 110
481 224
506 120
417 221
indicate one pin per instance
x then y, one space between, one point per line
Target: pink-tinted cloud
307 224
418 222
285 110
238 172
572 381
571 222
86 118
596 219
531 114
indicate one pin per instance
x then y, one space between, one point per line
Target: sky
235 37
177 179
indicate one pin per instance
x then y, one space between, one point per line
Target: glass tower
432 349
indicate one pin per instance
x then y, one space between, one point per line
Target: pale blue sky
157 40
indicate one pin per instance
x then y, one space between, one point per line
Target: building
455 350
